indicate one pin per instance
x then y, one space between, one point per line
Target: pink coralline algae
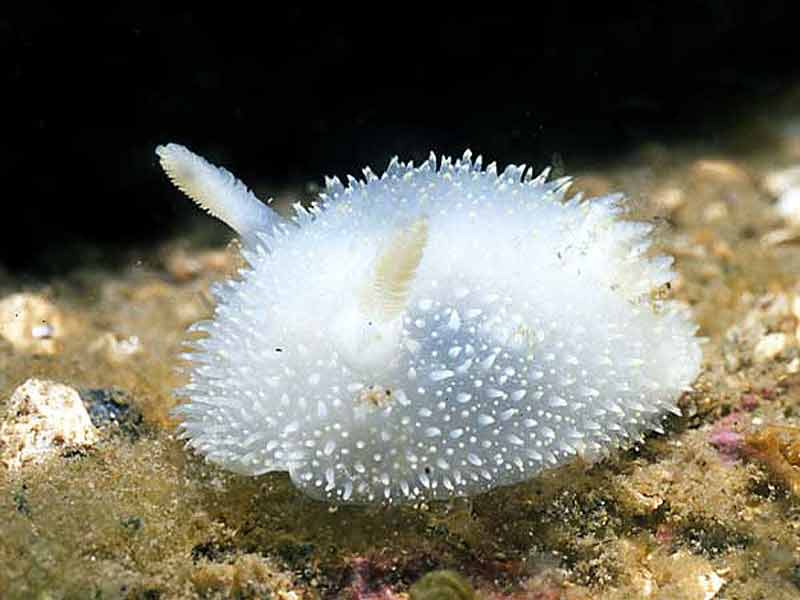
726 437
362 588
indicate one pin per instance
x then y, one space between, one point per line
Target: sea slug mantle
434 331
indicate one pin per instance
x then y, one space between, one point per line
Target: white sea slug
435 331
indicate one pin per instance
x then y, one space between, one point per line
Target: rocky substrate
99 499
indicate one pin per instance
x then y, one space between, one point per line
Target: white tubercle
217 191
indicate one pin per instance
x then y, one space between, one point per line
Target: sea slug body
434 331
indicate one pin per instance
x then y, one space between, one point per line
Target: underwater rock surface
708 510
44 418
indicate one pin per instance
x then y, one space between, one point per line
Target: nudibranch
435 331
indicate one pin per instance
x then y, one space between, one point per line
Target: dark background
286 95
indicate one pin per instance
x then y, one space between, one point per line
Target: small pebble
694 578
715 212
796 307
794 365
779 237
778 182
770 346
724 171
710 584
784 186
31 323
43 419
788 206
116 349
671 198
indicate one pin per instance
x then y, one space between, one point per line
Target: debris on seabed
116 348
770 346
31 323
113 410
777 447
43 419
784 186
185 266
